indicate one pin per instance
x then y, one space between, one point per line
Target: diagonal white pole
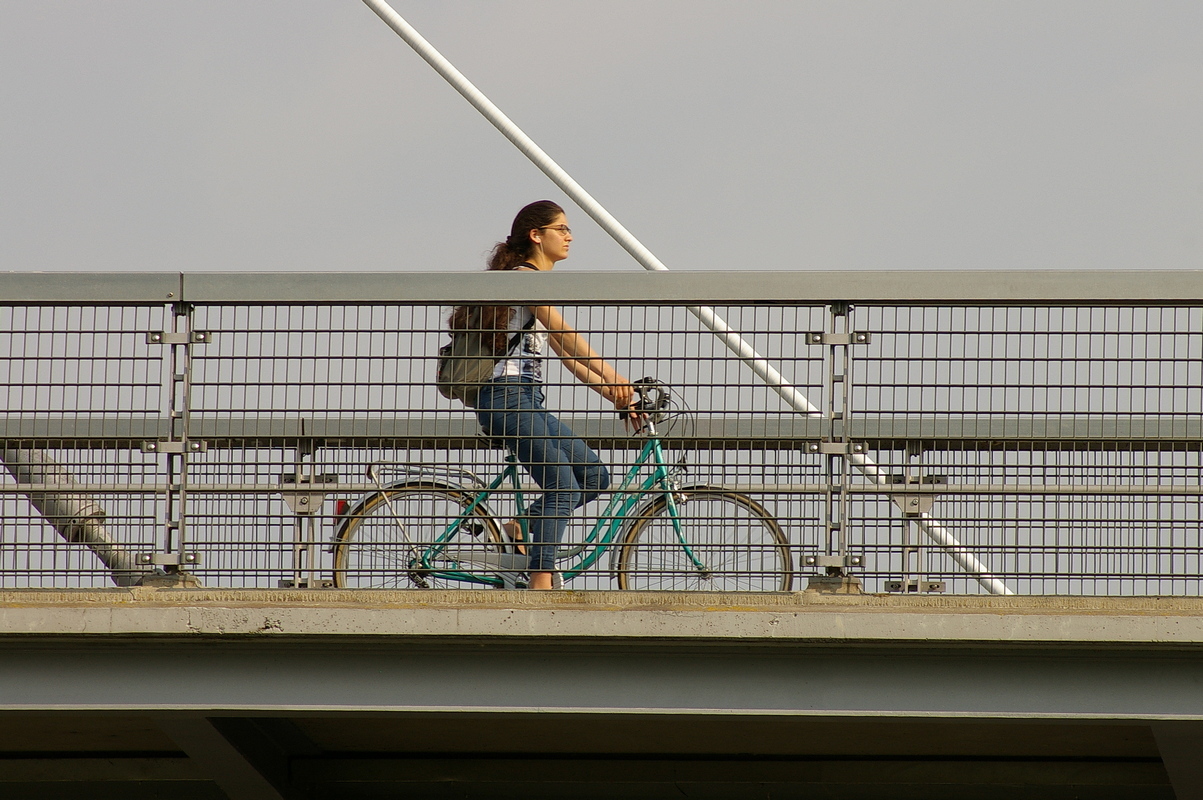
756 362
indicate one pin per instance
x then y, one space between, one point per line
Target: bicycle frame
601 537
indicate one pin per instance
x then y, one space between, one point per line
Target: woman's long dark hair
509 254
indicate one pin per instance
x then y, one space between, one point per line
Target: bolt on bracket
306 497
173 337
833 561
175 448
914 585
914 505
855 337
169 559
836 448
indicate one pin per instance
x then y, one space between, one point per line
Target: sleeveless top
525 359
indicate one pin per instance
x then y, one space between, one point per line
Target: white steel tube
77 516
746 353
594 209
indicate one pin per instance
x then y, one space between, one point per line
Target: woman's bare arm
582 360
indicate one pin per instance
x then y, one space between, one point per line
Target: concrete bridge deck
810 617
309 693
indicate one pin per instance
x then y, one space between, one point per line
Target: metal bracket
914 585
835 448
914 505
856 337
170 559
833 561
175 448
172 337
307 496
306 583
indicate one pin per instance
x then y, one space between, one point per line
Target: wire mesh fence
1032 445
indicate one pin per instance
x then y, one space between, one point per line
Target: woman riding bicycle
510 405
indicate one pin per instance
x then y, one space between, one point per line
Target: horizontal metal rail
758 489
911 288
766 431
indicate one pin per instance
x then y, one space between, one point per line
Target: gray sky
304 135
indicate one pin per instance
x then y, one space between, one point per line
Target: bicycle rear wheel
382 542
739 544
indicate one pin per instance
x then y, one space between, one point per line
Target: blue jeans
570 474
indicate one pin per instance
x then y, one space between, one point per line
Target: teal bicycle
433 527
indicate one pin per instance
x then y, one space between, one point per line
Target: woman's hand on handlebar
622 394
625 398
635 420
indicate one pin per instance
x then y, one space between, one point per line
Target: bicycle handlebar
653 399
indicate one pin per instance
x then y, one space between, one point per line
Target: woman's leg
513 411
549 463
513 532
565 468
589 476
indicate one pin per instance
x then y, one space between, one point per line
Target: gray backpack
466 363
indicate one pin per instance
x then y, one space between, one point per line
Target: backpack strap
518 335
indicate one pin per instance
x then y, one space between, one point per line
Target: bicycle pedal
514 580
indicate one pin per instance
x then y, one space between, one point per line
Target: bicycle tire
371 550
738 541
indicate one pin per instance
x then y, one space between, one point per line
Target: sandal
512 531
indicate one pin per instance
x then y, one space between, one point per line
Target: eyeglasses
564 230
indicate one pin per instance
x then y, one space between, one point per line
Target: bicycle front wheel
736 546
383 543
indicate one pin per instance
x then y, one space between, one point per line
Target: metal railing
1035 433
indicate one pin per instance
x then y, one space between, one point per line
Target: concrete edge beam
600 616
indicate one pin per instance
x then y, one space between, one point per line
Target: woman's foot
513 532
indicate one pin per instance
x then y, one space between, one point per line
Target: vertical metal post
304 495
174 557
837 415
302 516
837 447
913 507
179 420
912 556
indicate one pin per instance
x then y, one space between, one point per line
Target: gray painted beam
90 288
1033 287
277 677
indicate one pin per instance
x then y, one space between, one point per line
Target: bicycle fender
355 510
